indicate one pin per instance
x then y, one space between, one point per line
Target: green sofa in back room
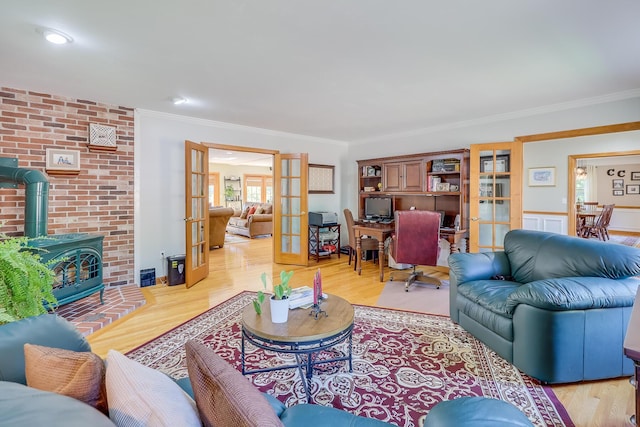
555 306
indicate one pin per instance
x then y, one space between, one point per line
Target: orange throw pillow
252 210
77 374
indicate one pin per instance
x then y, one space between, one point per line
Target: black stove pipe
37 196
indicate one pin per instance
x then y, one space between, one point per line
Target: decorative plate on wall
102 137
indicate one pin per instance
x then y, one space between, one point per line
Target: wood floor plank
237 267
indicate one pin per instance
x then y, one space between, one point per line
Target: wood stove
79 269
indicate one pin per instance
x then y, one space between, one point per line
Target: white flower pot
279 310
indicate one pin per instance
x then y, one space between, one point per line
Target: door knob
188 219
475 218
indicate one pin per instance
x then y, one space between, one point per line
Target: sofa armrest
575 293
49 330
467 267
278 407
305 414
221 212
260 218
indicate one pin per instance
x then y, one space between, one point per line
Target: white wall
555 199
506 128
606 174
159 160
159 175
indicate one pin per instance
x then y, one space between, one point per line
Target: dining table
584 219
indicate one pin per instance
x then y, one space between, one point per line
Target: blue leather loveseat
555 306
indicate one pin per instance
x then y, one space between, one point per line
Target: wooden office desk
454 237
381 231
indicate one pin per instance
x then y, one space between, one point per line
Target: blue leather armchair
555 306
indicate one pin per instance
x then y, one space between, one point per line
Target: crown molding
617 96
230 126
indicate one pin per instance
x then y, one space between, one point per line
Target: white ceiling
240 158
351 70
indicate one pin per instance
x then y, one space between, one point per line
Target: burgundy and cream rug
403 364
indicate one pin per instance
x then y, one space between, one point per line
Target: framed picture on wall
62 162
617 183
635 176
618 192
321 179
542 177
633 189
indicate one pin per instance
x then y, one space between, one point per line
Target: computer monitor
378 207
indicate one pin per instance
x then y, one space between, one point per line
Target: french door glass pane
501 231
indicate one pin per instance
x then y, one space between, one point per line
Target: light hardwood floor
237 267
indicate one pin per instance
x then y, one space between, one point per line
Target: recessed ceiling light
179 100
56 37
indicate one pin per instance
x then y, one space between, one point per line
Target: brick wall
97 200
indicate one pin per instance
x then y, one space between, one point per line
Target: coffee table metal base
304 352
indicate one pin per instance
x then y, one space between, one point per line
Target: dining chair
416 242
600 226
366 244
585 217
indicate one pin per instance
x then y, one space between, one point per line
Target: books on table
302 297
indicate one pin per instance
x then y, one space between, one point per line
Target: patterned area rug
403 364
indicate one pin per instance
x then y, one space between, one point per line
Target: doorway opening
603 178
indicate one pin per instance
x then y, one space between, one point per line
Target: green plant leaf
257 307
26 282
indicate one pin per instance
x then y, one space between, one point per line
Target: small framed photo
442 186
618 192
542 177
635 176
633 189
62 162
617 183
501 164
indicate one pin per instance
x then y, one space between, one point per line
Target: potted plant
279 303
229 192
26 283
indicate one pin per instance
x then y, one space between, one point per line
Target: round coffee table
302 335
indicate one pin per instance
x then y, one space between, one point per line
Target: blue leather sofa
555 306
22 405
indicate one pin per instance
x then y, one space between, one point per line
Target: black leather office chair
416 242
